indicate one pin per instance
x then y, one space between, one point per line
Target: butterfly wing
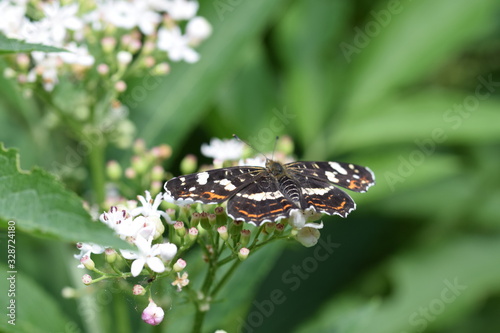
212 186
324 197
350 176
260 201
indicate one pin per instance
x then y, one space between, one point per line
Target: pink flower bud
179 265
153 314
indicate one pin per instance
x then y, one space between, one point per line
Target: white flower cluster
75 25
140 226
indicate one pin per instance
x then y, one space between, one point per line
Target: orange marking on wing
263 214
213 196
354 185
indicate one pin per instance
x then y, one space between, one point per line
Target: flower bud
108 44
102 69
124 58
179 265
211 219
195 219
205 224
188 164
138 290
87 263
179 228
243 253
114 170
68 292
235 227
139 164
157 173
220 216
110 255
245 237
279 228
193 234
120 86
152 314
86 279
269 227
223 232
161 69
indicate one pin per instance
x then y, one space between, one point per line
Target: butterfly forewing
212 186
351 176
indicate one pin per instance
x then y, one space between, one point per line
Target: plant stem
225 278
198 319
97 166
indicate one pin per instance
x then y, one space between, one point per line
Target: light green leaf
40 205
8 45
35 310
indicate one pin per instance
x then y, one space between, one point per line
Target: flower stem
97 166
225 278
198 319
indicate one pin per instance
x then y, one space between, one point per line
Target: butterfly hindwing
259 201
350 176
324 197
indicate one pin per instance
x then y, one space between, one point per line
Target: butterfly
265 194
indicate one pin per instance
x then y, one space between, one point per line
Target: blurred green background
408 88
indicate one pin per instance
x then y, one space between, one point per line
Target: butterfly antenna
249 145
274 148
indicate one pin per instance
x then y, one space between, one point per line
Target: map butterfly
265 194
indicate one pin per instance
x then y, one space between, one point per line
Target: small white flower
124 57
182 9
86 249
58 19
119 13
298 218
198 29
176 45
223 150
12 18
114 217
255 161
77 55
308 236
146 255
181 281
167 251
150 207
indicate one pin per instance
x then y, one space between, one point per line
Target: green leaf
417 38
40 205
8 45
36 310
449 279
177 104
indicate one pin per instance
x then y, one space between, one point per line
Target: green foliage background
433 218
